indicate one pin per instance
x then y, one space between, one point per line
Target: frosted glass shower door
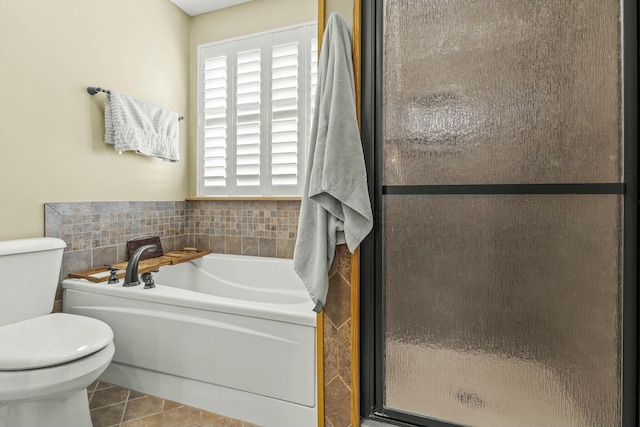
503 311
502 212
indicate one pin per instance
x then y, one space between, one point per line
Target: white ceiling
196 7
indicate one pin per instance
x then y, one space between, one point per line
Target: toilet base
61 410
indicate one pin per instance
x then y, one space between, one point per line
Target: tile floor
115 406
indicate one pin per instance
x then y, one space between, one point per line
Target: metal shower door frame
372 296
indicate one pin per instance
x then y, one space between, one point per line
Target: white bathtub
230 334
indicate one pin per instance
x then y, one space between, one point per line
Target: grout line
146 415
162 410
124 409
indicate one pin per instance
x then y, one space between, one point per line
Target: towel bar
95 89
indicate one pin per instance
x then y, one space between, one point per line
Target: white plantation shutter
284 115
255 104
215 122
285 112
248 119
313 79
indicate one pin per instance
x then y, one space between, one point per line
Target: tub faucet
131 277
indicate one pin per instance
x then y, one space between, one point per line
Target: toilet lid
51 340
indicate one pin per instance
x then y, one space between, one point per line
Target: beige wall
51 129
343 7
247 18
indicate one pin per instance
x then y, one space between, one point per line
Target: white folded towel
134 125
335 205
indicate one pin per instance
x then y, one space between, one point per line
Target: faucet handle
147 278
113 274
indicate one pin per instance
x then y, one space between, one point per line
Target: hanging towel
134 125
335 205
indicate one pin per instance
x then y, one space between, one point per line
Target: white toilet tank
29 273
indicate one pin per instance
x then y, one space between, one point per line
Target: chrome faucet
131 277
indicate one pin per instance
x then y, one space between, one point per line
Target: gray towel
335 204
134 125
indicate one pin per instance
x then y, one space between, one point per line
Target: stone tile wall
337 343
261 228
96 233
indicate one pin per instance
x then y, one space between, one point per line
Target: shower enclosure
501 279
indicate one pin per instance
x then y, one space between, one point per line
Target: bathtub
230 334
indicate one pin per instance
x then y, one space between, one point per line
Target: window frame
306 37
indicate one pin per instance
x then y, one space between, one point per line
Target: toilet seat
54 380
51 340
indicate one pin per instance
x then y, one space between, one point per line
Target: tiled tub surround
337 361
262 228
96 233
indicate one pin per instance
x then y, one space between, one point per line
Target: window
255 102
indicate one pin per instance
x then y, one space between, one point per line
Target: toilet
47 360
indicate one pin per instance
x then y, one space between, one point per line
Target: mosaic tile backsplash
96 233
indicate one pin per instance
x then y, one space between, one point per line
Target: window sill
264 198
